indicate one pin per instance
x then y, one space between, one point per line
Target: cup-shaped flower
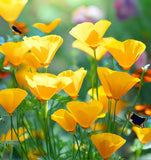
77 78
14 51
143 134
64 119
104 100
11 9
22 134
90 33
100 51
107 143
44 48
85 113
48 27
11 98
116 84
21 74
45 85
127 52
89 36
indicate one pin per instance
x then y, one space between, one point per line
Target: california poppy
14 51
44 48
85 113
102 97
47 27
143 134
116 83
11 98
107 143
77 78
11 9
45 85
127 52
89 36
65 120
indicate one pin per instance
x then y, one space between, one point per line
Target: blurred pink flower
142 61
87 14
125 9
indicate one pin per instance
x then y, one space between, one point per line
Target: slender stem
78 147
138 152
18 138
138 93
45 67
33 140
114 114
73 145
109 114
11 120
96 75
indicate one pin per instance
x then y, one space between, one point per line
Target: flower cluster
39 99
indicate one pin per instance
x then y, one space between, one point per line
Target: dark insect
136 120
15 29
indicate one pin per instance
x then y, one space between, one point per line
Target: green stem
96 75
113 63
73 145
33 140
78 147
138 93
109 114
114 114
11 120
18 138
138 152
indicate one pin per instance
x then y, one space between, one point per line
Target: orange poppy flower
146 78
11 9
14 51
89 36
44 48
143 134
22 133
19 28
48 27
11 98
77 78
65 120
143 109
90 33
21 74
107 143
100 50
126 53
85 113
45 85
104 100
116 84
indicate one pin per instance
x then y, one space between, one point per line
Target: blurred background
131 19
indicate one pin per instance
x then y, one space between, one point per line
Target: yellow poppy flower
21 74
90 33
85 113
116 84
31 61
127 52
143 134
11 9
77 78
48 27
99 51
45 85
65 120
104 100
14 51
44 48
107 143
11 98
22 133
